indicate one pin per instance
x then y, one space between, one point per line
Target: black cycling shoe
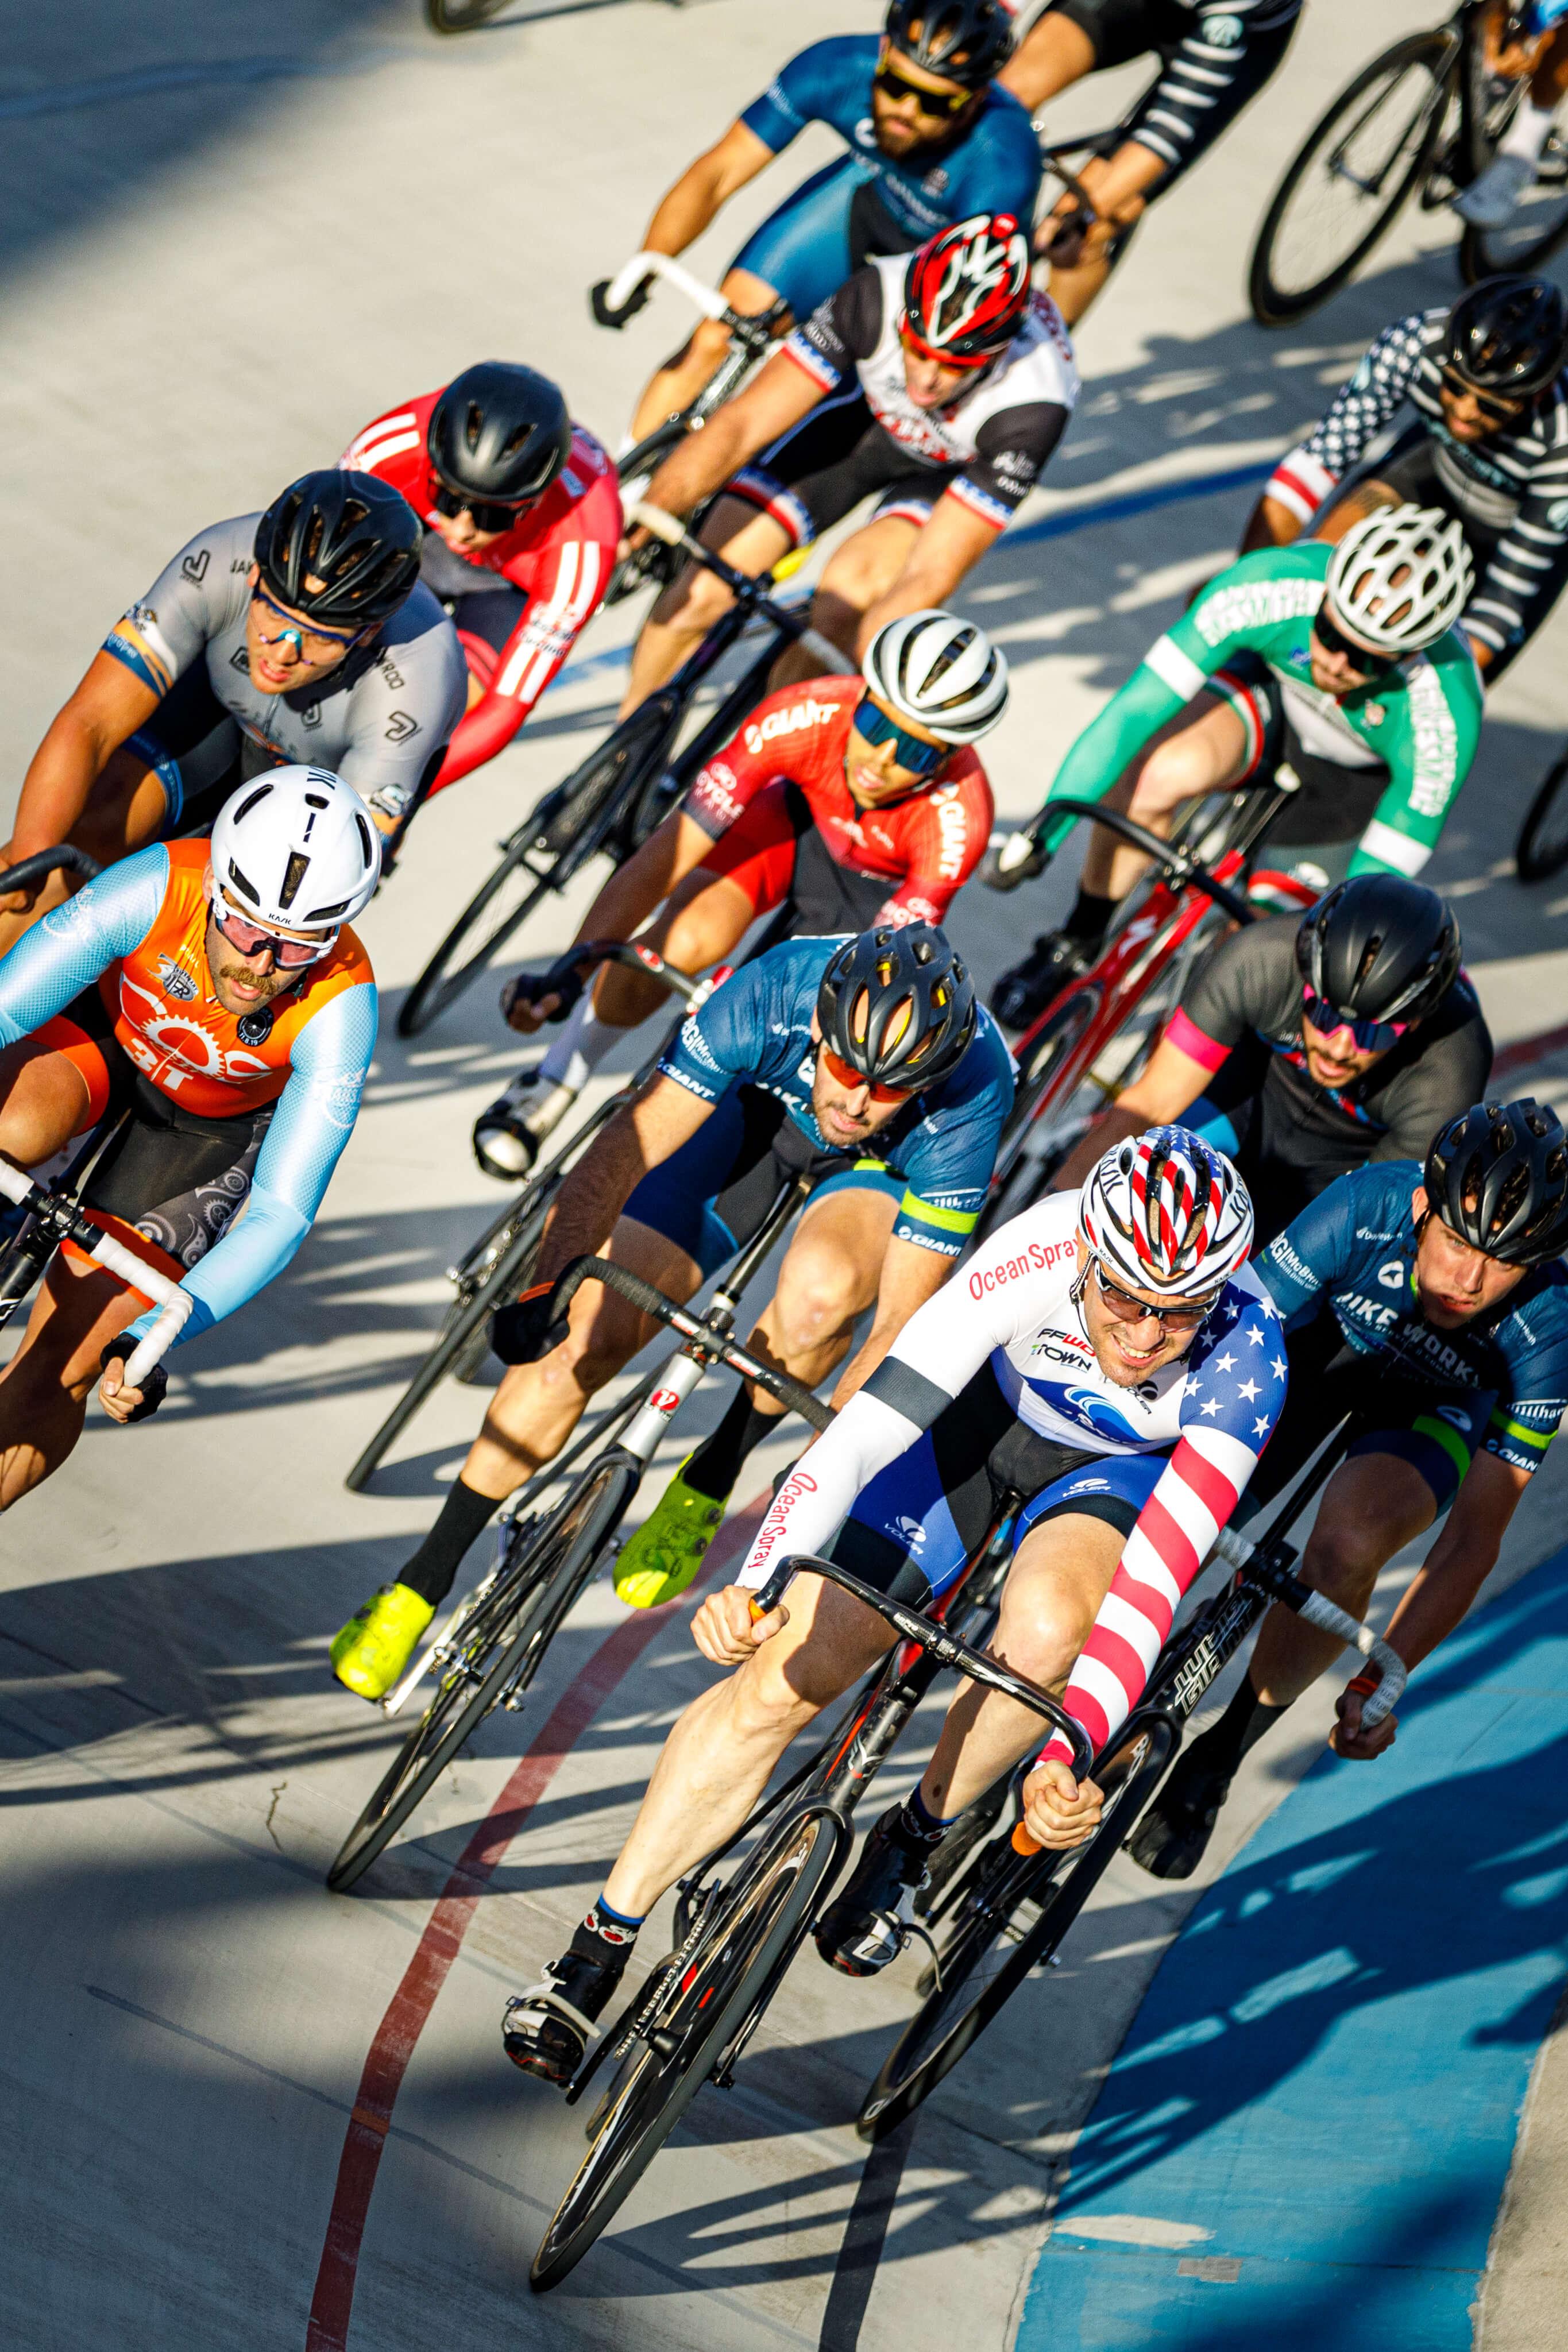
508 1134
1021 994
868 1924
546 2029
1173 1836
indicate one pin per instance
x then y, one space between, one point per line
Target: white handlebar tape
1320 1611
627 278
668 527
151 1351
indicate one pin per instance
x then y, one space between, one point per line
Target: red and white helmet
966 291
1165 1212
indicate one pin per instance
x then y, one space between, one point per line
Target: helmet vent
314 799
242 883
254 801
298 866
364 841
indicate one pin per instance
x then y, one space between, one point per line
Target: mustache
267 989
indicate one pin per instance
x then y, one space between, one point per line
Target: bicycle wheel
1031 1147
461 15
737 1961
1355 170
992 1944
516 1618
1541 849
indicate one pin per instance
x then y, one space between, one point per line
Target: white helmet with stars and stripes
1167 1213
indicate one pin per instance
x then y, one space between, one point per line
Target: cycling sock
917 1826
577 1052
433 1570
716 1465
1526 135
1239 1730
606 1935
1091 917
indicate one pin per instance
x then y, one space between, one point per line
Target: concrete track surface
241 2112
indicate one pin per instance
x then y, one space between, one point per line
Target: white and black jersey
1214 59
1510 490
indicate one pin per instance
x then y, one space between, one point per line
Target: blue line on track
1306 2132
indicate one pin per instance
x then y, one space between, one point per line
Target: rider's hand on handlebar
724 1630
1018 859
523 1013
120 1403
1347 1737
523 1334
636 301
1059 1812
17 902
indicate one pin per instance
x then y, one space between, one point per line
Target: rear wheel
496 1653
1543 846
1354 173
1539 223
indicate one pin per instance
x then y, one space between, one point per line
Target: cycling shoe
1173 1836
372 1650
508 1134
1021 994
546 2029
868 1924
661 1558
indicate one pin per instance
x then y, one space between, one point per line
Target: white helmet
1165 1212
1399 579
296 850
940 671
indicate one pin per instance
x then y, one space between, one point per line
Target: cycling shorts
713 1196
918 1522
1335 802
814 474
166 1178
196 749
1182 114
775 854
486 621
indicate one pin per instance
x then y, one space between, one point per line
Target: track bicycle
498 1267
622 791
736 1936
998 1906
490 1648
1423 118
1094 1038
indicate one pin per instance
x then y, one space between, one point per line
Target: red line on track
1527 1051
396 2036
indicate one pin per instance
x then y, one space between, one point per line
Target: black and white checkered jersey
1176 119
1515 481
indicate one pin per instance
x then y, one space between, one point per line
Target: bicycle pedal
514 1701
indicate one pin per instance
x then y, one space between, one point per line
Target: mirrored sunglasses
941 105
1371 1036
249 939
843 1075
488 514
1334 640
920 759
310 644
1126 1309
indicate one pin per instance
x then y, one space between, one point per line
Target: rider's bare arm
1170 1085
947 549
108 705
704 187
634 892
1271 524
778 397
665 1116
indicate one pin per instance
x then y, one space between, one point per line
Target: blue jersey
1353 1251
757 1030
868 203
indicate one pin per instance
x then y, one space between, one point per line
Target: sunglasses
289 955
1334 640
310 645
1371 1036
488 514
920 759
941 105
844 1075
1128 1310
961 363
1495 405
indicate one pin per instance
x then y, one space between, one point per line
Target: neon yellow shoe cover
660 1561
378 1641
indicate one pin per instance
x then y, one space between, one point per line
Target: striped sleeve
1361 408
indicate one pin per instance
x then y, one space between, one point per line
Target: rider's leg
1118 186
44 1387
676 386
856 576
124 813
750 540
1055 52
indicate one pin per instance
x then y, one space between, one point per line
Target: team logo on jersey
194 567
400 726
393 676
312 715
1557 515
935 182
175 981
909 1532
1392 1274
1221 32
240 660
1098 1414
789 722
254 1028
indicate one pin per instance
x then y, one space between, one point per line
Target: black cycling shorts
822 468
1181 114
196 749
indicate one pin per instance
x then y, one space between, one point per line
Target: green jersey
1421 722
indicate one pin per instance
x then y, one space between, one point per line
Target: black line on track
855 2272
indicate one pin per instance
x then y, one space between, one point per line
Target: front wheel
1355 170
1541 849
1034 1141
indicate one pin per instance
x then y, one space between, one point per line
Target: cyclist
206 1006
1110 1355
938 385
930 139
864 1061
1488 446
847 803
1341 665
302 634
1213 62
1307 1046
1434 1302
522 515
1532 42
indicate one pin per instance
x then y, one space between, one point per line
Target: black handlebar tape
650 1301
66 859
1138 837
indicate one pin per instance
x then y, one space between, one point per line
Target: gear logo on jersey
1096 1413
312 715
393 676
910 1533
194 567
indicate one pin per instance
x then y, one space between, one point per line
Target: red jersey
925 847
560 556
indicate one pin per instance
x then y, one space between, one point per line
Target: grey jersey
375 720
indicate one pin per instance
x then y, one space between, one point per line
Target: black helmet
356 534
966 41
500 433
1497 1176
898 1007
1510 335
1380 947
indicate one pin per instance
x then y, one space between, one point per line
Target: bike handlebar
630 276
674 534
562 978
936 1641
66 1221
1179 863
650 1301
65 859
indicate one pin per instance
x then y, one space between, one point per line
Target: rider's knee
1174 771
1344 1562
819 1292
694 599
1042 1640
856 574
774 1694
